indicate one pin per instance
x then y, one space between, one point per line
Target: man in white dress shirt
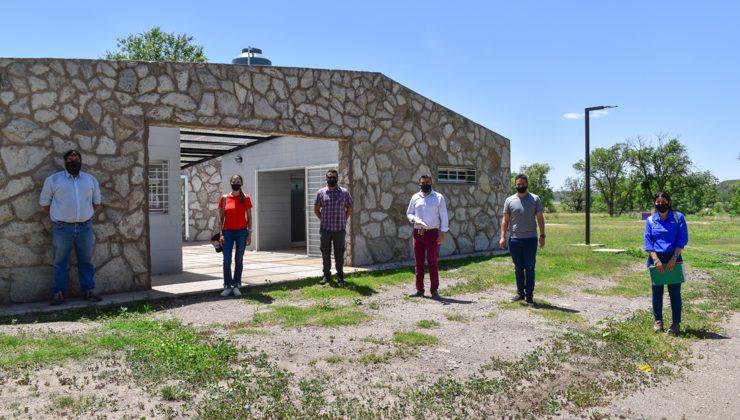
71 197
428 212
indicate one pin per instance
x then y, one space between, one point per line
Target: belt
421 232
72 223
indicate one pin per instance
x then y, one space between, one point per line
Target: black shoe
58 299
324 280
340 282
417 293
530 302
517 298
436 295
92 297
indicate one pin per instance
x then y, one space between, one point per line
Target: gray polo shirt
522 211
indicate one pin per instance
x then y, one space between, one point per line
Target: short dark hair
425 176
72 153
332 171
521 176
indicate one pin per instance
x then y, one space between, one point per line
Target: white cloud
573 116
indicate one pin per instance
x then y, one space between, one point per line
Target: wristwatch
543 236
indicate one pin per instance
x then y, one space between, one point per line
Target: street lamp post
588 171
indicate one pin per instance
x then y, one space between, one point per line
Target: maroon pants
426 244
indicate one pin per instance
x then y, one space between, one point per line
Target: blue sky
516 67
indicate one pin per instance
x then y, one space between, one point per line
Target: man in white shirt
71 197
428 212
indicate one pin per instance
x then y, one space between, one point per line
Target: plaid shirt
333 208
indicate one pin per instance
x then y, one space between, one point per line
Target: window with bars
158 186
456 175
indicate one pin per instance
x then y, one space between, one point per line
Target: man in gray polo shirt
520 212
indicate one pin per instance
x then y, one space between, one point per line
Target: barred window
158 186
456 175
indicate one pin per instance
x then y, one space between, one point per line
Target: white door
315 180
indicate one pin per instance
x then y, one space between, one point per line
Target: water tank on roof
251 56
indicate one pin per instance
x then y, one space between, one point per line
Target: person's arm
443 220
317 205
504 229
650 248
348 207
46 195
249 226
541 224
97 199
681 240
411 212
221 218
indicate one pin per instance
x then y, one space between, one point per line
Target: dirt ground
479 330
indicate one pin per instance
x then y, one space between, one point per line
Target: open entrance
190 169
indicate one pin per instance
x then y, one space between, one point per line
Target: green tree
538 183
155 45
573 195
611 176
694 191
657 167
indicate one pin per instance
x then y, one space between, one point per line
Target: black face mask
73 167
662 208
236 187
332 182
426 189
521 189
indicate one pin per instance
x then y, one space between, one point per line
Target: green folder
667 277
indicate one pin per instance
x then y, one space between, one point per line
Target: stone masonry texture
388 135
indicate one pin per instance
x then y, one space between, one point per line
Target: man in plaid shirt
333 206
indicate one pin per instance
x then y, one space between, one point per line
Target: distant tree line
626 176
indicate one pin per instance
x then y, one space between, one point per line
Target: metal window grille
158 186
456 175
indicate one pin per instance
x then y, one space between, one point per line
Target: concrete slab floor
202 273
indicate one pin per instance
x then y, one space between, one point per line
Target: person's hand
248 239
221 239
659 266
671 264
440 238
542 242
502 243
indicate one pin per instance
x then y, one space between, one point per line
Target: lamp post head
598 108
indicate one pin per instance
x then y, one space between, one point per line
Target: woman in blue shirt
666 235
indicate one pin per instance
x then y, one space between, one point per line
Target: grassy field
583 366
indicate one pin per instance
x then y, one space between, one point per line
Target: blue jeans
63 237
524 254
674 291
231 237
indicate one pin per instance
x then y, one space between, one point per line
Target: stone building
384 134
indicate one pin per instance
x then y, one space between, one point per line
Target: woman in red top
236 229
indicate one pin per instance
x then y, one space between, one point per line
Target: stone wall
205 188
392 135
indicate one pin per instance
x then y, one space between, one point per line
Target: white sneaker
226 292
237 292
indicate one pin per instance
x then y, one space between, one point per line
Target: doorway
297 211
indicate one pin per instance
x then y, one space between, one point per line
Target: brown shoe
58 299
92 297
675 329
658 326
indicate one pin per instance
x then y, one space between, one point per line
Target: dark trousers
336 239
524 255
426 245
674 291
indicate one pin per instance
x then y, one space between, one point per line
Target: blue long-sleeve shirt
666 235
